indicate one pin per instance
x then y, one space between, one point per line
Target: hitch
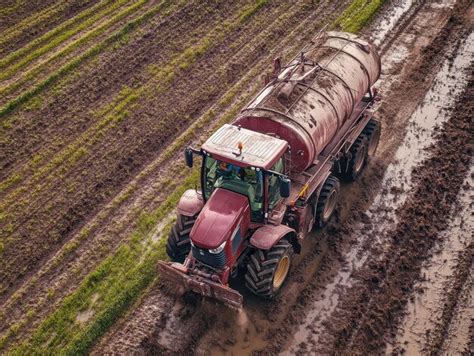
178 274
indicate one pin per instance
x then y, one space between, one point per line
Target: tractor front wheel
179 243
268 270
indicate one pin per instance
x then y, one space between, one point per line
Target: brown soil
12 14
52 208
70 9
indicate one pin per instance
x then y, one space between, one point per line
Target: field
98 98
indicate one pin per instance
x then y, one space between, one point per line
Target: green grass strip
49 37
252 10
64 31
31 21
68 67
357 15
71 47
115 283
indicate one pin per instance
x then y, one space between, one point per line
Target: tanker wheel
358 159
327 201
268 270
372 130
179 243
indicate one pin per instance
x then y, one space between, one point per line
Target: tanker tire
179 243
327 201
358 159
262 278
373 131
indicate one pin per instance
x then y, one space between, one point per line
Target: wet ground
393 271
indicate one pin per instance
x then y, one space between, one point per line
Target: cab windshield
246 181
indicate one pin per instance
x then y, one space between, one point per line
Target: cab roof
259 150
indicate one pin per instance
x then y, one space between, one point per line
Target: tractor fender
191 203
267 236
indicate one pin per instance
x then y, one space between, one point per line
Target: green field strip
73 151
163 75
111 274
34 19
74 63
88 36
357 15
9 9
52 35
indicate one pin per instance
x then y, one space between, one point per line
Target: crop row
67 69
111 275
76 44
129 97
55 36
31 21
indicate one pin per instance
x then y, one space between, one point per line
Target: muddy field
94 117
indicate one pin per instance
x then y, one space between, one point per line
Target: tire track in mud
445 289
388 283
393 271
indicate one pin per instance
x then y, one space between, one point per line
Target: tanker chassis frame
206 255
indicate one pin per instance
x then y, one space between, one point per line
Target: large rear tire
327 201
179 243
268 270
373 131
358 158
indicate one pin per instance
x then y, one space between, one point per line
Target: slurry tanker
272 175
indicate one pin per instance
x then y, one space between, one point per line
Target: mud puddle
388 22
425 309
429 115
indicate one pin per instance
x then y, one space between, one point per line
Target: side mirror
188 157
285 187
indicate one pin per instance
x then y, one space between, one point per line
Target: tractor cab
245 162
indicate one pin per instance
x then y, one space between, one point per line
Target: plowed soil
82 158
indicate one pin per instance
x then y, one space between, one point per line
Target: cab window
247 181
274 184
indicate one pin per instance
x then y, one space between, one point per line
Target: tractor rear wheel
372 130
179 243
268 270
327 201
358 158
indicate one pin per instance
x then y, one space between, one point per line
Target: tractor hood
218 218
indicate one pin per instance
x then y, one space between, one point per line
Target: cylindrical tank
315 95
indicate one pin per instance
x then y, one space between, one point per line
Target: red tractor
273 174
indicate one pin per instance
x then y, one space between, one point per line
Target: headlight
218 249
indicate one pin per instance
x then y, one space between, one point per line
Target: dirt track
349 290
354 289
